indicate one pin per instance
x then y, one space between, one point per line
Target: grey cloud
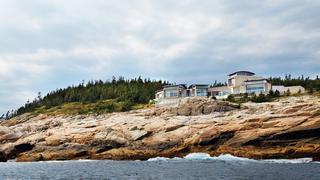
55 43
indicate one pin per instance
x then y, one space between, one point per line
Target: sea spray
229 158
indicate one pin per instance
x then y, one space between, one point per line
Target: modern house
198 90
171 93
241 82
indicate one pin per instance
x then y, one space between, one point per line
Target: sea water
193 166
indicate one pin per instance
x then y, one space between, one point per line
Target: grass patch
100 107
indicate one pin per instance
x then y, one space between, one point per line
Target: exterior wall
292 89
220 92
296 89
237 83
168 102
239 80
174 92
198 91
216 90
258 87
159 96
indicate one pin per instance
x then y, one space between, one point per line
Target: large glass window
202 92
171 93
255 88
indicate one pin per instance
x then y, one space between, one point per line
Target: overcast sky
49 44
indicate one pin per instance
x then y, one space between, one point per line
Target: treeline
218 84
308 83
131 92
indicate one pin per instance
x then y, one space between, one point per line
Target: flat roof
242 72
201 85
255 80
178 85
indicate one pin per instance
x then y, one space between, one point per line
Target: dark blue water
161 169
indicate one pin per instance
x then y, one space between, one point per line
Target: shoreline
199 156
285 129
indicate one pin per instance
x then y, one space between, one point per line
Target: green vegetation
100 107
123 95
242 98
95 97
311 85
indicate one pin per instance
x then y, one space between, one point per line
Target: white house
242 82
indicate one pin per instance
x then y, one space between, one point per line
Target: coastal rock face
3 157
288 128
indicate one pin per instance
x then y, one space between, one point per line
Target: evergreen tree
230 98
7 115
133 91
288 93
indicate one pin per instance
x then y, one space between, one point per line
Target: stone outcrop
3 157
288 128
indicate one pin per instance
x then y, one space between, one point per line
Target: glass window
255 88
202 92
171 93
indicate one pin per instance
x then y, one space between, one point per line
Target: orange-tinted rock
288 128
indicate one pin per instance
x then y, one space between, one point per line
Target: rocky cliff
288 128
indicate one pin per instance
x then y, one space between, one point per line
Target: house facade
198 90
241 82
171 93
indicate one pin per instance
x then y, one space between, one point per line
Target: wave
229 158
293 161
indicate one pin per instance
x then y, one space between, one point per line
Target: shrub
230 98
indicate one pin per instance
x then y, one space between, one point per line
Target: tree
288 93
299 92
276 93
230 98
39 96
310 90
271 93
135 91
261 98
7 115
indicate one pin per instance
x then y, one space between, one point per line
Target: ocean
193 166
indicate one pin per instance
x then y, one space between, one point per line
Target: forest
309 84
122 92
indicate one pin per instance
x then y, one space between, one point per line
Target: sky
50 44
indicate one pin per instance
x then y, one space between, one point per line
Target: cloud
49 44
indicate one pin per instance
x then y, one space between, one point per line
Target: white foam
198 156
293 161
229 158
159 159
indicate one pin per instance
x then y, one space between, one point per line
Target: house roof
255 80
242 72
178 86
199 85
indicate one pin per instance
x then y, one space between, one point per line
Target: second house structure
241 82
